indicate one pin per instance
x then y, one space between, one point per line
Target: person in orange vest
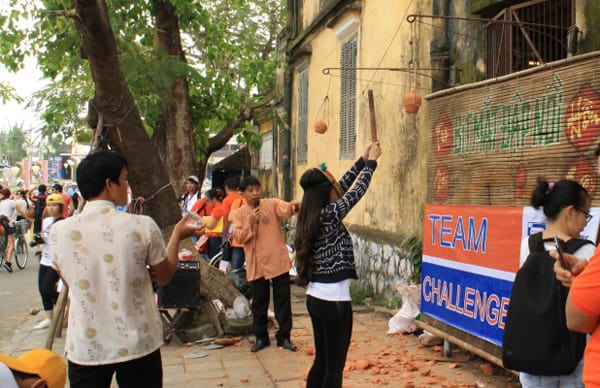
234 200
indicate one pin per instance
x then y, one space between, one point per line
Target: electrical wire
389 44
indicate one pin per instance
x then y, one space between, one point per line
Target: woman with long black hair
325 261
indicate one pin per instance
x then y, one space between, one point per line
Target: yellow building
334 51
338 52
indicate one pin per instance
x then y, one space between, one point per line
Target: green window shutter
348 98
302 146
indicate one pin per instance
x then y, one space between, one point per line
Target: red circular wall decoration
582 119
442 137
441 183
583 172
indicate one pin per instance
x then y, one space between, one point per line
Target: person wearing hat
67 200
47 274
36 368
192 184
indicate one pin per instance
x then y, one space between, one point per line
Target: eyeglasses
588 216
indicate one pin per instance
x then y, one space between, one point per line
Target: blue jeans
214 245
237 258
574 380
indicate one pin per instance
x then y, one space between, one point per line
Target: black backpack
536 339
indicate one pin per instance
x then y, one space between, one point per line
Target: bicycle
20 252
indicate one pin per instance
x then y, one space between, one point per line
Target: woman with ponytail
325 261
566 205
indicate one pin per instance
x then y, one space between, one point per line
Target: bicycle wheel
215 261
21 252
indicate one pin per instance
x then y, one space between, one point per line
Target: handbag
202 244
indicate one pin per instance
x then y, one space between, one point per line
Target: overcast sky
25 83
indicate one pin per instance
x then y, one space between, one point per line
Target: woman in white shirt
48 276
566 205
7 214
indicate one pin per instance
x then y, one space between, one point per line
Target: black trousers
47 280
261 295
332 330
142 372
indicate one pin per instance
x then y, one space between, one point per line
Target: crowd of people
109 259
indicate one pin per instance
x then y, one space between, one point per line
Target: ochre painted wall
395 201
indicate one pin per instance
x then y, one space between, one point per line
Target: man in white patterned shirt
102 255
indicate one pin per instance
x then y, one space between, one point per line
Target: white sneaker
43 324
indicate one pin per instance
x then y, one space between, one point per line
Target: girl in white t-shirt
48 276
566 205
7 219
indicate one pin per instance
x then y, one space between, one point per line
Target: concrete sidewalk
396 360
230 366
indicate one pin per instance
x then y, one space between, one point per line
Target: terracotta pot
411 102
320 126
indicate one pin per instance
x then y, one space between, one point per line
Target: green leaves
12 144
228 46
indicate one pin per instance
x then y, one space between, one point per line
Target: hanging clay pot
320 126
411 102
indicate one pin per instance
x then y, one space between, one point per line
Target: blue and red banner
470 257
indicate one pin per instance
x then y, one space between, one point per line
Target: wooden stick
59 309
372 116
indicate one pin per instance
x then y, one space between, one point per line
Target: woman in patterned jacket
325 261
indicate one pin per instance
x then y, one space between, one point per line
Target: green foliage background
229 47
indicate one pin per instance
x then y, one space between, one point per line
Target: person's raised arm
163 272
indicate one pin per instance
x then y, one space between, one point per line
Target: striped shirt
333 253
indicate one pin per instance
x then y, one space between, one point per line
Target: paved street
374 359
18 294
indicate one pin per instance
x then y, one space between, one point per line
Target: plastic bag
404 320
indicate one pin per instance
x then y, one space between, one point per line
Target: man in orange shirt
257 226
232 190
233 200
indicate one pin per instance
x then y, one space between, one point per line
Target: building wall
492 139
392 208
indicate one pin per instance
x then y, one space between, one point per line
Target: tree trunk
125 132
122 124
180 155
